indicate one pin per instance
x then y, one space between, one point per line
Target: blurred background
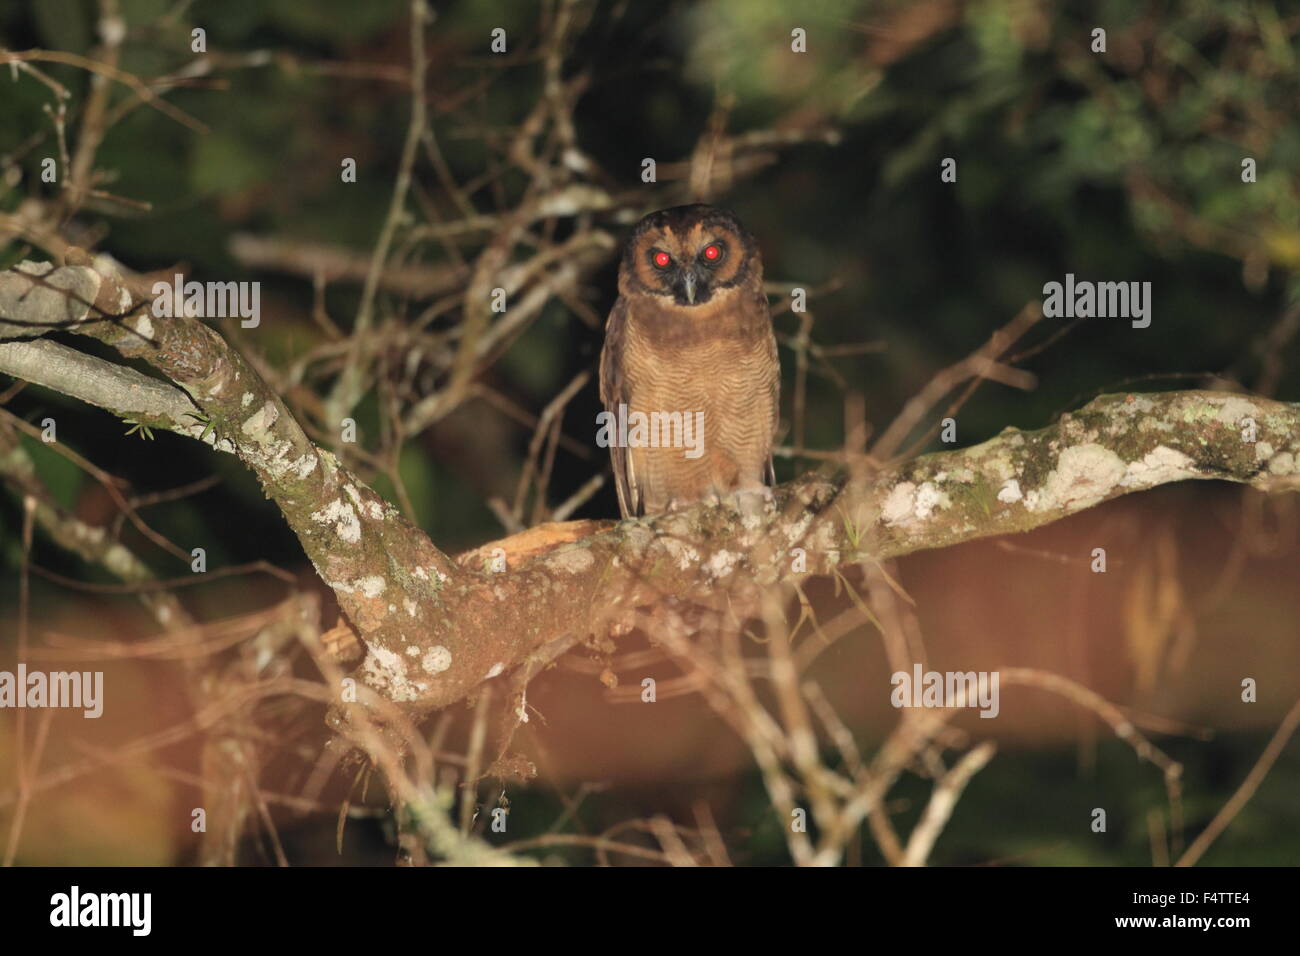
1119 166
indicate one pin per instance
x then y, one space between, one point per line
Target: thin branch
1247 789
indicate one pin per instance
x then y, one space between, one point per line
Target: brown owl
689 375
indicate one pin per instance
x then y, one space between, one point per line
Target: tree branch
121 390
435 628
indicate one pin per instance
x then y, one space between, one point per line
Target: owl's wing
774 391
613 391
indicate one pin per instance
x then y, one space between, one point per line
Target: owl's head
689 254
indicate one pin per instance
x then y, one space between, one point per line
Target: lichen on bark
434 629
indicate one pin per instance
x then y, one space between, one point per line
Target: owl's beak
688 280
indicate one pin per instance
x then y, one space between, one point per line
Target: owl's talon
752 501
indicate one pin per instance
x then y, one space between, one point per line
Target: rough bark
435 628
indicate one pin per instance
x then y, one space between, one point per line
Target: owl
689 375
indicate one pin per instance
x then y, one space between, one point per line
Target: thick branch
436 629
718 557
359 544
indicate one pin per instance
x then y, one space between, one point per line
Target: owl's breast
720 384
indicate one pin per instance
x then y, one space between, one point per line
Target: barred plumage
691 333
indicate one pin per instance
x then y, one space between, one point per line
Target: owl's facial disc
683 276
695 283
693 255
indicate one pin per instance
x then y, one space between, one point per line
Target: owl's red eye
662 259
712 253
